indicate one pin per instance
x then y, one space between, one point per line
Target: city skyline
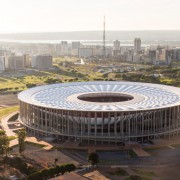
20 16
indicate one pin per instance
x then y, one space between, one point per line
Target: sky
18 16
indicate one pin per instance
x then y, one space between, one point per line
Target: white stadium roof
64 96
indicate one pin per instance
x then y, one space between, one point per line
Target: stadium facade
102 112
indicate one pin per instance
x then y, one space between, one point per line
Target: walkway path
9 132
4 124
137 149
47 146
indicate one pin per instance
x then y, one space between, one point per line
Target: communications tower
104 40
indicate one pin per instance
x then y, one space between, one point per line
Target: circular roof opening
105 97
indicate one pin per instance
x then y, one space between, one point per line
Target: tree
51 172
29 85
93 158
21 139
4 145
55 161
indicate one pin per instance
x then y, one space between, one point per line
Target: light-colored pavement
13 142
137 148
140 152
10 132
70 176
95 175
47 146
4 124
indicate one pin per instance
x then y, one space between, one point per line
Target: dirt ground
8 100
9 172
165 173
45 157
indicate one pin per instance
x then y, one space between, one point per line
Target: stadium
101 112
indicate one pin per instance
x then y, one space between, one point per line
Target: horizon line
36 32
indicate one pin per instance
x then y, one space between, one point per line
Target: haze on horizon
17 16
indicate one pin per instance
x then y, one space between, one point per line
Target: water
84 42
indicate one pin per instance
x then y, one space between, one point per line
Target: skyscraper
2 63
116 45
41 62
76 44
137 45
104 40
64 48
16 62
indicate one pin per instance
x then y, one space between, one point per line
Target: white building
41 62
100 112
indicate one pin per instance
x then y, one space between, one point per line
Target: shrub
51 172
134 177
30 85
19 164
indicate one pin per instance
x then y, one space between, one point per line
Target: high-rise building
2 63
137 45
116 45
74 48
178 54
152 56
136 58
130 55
41 62
64 48
76 45
85 52
104 39
166 56
26 60
58 49
116 48
16 62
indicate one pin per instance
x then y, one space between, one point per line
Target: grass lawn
119 172
176 145
132 154
149 149
135 177
8 110
30 144
11 138
35 144
144 172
